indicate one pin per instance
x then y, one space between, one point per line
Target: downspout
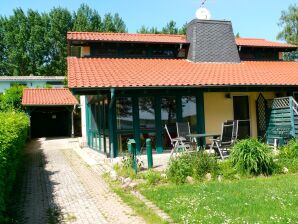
111 123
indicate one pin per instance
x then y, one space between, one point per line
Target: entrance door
241 113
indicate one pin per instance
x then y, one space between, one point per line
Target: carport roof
48 97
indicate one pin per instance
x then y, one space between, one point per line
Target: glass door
169 118
147 121
241 113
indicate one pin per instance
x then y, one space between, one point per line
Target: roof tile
48 96
117 72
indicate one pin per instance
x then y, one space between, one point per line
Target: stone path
57 185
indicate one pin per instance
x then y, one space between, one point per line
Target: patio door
241 113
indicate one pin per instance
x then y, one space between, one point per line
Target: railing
295 106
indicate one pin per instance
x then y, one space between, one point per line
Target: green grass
137 205
258 200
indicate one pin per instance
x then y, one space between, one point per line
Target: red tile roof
127 37
105 73
48 97
164 38
257 42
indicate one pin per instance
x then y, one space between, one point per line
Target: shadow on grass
32 199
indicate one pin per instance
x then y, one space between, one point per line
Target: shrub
11 99
250 156
289 151
180 167
152 177
13 135
205 163
227 170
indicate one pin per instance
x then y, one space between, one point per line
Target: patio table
197 138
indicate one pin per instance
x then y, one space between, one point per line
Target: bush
205 163
13 135
289 151
227 170
287 158
181 167
250 156
152 177
196 165
11 99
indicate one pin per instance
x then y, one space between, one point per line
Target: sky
251 18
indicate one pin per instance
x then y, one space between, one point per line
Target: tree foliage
289 23
35 43
170 28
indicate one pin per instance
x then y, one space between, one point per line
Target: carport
51 111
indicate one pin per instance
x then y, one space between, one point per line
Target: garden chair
178 144
222 144
183 129
235 129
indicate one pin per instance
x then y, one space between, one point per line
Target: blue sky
251 18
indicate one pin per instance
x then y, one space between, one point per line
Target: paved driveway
57 186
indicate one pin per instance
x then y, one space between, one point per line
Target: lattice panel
261 115
281 103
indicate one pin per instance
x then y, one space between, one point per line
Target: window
189 111
124 113
147 113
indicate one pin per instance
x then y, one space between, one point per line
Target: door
241 113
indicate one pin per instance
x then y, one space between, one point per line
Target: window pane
168 110
189 111
124 113
168 117
147 113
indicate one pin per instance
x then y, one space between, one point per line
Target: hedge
13 135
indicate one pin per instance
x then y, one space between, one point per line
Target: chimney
211 41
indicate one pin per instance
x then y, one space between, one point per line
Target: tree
183 29
60 22
108 24
170 28
119 24
86 19
237 35
289 22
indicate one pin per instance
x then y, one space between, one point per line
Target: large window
168 110
189 111
147 113
124 113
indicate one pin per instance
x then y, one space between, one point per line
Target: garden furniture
178 143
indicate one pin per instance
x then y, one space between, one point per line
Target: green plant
290 150
227 170
11 99
13 135
180 167
250 156
205 163
152 177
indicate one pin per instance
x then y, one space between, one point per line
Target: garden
254 185
13 136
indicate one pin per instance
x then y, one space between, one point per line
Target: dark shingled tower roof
212 41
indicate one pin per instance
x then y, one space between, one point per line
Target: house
31 81
131 85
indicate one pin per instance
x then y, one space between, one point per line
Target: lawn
258 200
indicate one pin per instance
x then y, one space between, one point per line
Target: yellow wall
218 108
